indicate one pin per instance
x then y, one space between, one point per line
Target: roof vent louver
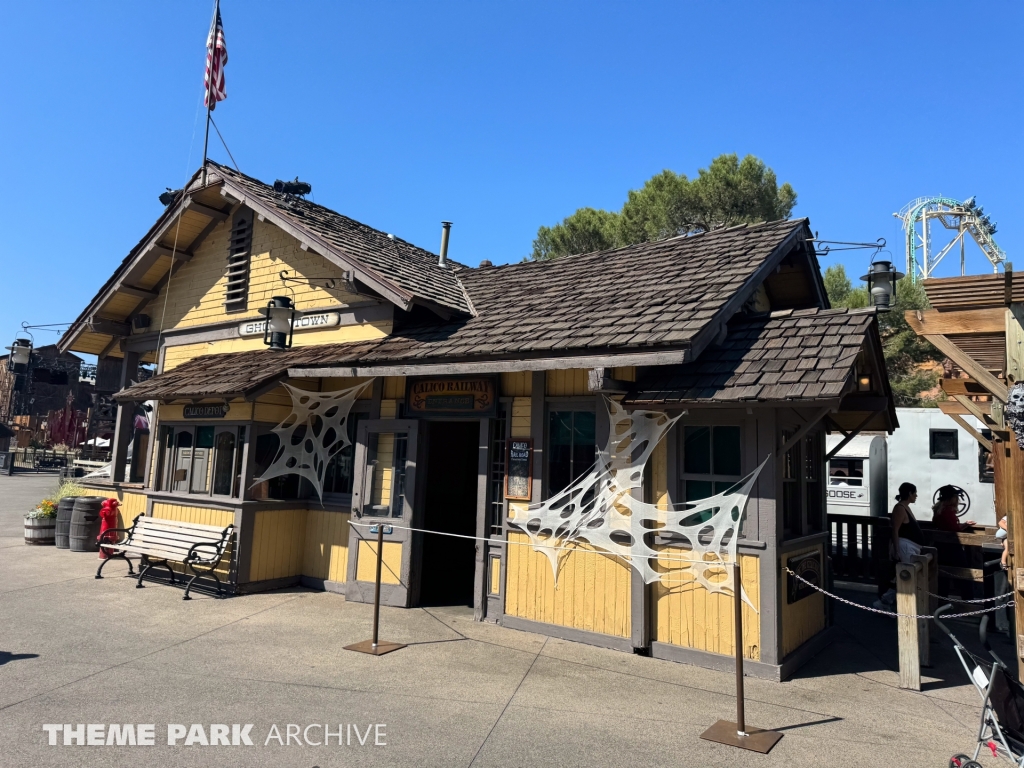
236 296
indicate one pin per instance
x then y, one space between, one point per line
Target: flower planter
40 530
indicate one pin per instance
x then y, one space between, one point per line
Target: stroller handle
938 612
983 636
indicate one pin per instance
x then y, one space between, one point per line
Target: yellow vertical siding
567 383
394 387
495 563
686 614
803 619
593 591
520 426
132 504
278 544
518 384
388 409
326 552
391 567
187 513
624 374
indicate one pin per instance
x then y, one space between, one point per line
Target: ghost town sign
310 322
455 397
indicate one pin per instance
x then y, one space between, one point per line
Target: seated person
944 513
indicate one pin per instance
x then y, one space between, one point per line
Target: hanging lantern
881 279
280 325
21 353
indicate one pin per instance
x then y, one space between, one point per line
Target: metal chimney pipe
446 228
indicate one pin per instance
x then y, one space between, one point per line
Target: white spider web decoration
602 509
310 436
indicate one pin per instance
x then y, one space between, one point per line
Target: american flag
216 58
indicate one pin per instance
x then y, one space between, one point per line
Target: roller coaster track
965 218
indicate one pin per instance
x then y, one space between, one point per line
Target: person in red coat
944 512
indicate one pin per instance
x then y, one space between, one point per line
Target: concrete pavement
78 651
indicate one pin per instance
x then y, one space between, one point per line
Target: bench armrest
104 538
195 556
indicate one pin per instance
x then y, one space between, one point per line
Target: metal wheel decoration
963 500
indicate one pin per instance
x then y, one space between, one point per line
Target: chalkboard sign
519 469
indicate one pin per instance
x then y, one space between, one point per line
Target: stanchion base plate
366 646
756 740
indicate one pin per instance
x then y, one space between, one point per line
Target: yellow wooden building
487 391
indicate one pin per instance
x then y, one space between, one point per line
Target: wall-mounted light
280 325
864 382
881 279
21 353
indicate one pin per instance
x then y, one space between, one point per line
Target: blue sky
498 117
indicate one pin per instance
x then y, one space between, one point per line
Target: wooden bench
160 542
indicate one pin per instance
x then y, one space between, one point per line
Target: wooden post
907 596
924 582
1008 465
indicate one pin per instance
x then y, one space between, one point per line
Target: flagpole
209 83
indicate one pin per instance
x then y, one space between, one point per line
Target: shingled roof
410 267
654 296
793 355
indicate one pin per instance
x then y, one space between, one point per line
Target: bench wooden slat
168 536
174 525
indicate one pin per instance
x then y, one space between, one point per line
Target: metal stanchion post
373 646
737 734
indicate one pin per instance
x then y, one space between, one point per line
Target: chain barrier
893 614
971 602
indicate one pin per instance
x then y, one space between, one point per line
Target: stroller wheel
959 761
972 764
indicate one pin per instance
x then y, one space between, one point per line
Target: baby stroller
1002 701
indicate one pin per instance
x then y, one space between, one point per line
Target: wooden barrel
63 530
39 530
85 524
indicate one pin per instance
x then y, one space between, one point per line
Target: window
846 472
341 467
236 295
201 459
711 461
803 503
944 444
281 487
572 447
386 454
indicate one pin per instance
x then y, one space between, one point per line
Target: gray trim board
480 547
567 633
716 661
267 585
324 585
245 522
608 360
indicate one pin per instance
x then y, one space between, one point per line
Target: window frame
682 476
167 457
362 408
575 405
933 456
797 456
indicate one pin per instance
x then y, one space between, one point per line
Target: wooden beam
1014 319
864 403
600 380
109 348
108 327
975 409
962 387
213 213
848 436
971 431
623 360
968 365
796 438
142 293
931 321
949 407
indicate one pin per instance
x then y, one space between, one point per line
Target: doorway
449 506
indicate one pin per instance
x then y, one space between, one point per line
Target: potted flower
41 523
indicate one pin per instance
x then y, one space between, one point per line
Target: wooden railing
859 549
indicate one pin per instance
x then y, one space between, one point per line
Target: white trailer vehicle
928 449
